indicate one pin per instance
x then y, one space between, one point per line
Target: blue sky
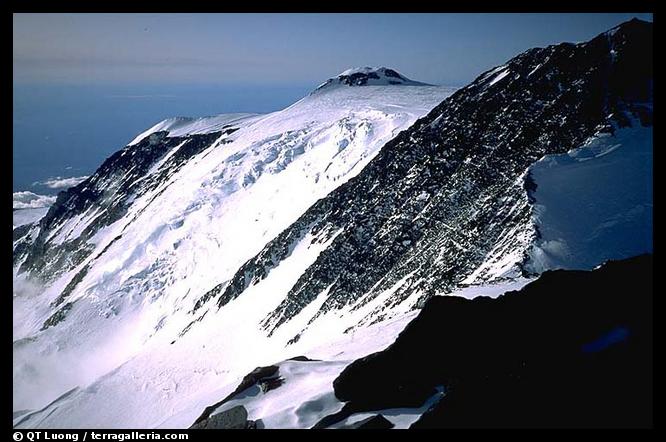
280 49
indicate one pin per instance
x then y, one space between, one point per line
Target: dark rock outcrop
265 378
232 419
571 349
376 422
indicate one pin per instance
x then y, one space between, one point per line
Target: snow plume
62 183
26 292
49 366
30 200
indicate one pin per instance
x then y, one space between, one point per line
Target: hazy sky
280 49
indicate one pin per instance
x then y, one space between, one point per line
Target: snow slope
168 385
594 203
106 323
180 126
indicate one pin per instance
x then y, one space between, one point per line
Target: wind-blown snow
594 203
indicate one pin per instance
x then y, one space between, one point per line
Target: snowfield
610 213
168 385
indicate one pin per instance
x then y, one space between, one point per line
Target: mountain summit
369 76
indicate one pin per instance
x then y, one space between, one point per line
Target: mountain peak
369 76
629 24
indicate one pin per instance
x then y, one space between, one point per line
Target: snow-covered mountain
123 259
461 198
367 76
209 247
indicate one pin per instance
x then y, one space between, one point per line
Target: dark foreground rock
376 422
571 349
232 419
263 378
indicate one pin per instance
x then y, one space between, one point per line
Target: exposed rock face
232 419
376 422
265 377
451 194
572 349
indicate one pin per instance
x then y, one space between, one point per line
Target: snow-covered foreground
307 393
130 330
168 386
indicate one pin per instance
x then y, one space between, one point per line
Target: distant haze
281 48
